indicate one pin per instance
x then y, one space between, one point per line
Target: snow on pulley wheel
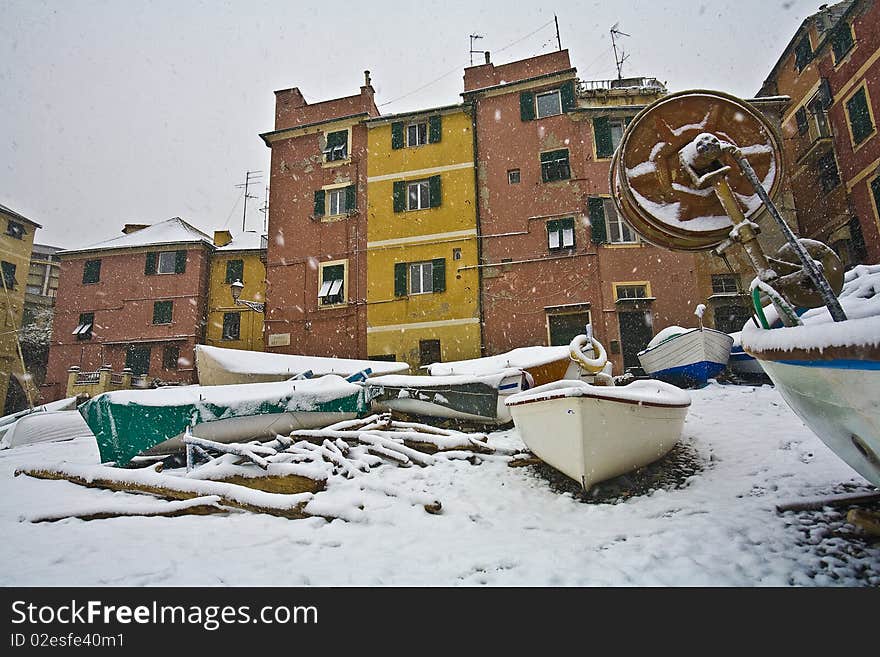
653 189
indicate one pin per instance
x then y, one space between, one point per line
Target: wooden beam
835 500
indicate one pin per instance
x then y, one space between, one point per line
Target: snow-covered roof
248 241
170 231
13 213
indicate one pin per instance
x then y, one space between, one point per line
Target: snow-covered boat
829 372
49 426
475 398
219 366
130 423
741 364
595 432
544 364
686 357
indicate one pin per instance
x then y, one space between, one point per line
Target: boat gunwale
591 395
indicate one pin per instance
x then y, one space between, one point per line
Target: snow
645 391
860 300
499 526
667 333
247 241
170 231
521 358
406 381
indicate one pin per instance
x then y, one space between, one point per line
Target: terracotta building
316 253
830 71
136 301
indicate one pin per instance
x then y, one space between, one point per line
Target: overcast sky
141 110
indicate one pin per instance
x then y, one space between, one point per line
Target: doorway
636 331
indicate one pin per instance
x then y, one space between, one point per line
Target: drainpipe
477 216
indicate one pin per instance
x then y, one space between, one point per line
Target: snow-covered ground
500 526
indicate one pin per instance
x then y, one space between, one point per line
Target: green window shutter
152 263
162 312
180 262
552 227
566 93
351 197
319 202
841 41
597 220
527 106
399 195
434 191
234 271
400 279
859 116
438 271
602 135
800 118
435 129
92 271
397 135
827 98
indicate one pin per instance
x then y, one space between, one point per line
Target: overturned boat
543 364
686 357
146 423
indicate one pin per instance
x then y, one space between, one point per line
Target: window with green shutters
800 118
417 133
137 359
397 135
320 196
527 106
560 234
555 166
162 311
607 133
829 177
15 229
165 262
336 201
548 103
336 147
7 269
83 330
231 326
860 121
842 41
91 271
419 277
332 290
552 102
435 129
803 53
417 194
234 271
596 207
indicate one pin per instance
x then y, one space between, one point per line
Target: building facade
16 245
138 301
231 325
422 280
316 282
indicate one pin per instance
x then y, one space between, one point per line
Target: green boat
136 423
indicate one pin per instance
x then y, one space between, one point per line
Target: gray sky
141 110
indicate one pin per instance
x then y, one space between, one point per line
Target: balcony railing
650 85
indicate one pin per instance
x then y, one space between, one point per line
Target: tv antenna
622 58
249 178
474 37
265 209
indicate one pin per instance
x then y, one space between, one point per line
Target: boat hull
593 437
839 400
689 359
744 365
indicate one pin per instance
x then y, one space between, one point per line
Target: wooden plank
867 521
835 500
199 506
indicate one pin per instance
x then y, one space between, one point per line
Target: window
548 104
162 311
564 327
513 177
456 254
83 330
166 262
337 146
15 229
607 133
842 41
829 177
801 118
91 271
231 326
331 291
421 278
170 357
418 195
234 271
8 272
617 128
631 291
554 166
137 359
803 53
560 234
860 121
725 284
619 232
417 134
429 352
336 201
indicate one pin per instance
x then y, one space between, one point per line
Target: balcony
624 86
818 138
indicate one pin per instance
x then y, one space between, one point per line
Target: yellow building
235 325
422 283
16 244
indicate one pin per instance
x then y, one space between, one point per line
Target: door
636 331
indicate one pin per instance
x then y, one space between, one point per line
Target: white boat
475 398
42 427
592 433
686 357
219 366
544 364
829 372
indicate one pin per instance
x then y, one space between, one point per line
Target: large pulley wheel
794 284
653 188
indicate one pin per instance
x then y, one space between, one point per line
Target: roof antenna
618 61
249 178
473 38
558 41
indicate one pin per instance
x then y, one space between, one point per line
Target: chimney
488 59
367 90
133 228
222 237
